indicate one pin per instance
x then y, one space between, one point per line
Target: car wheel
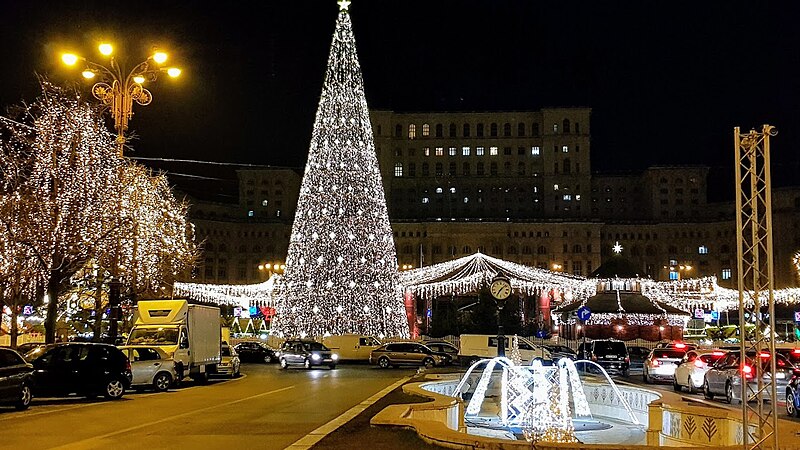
307 364
114 389
332 366
267 359
675 386
729 393
284 364
237 373
201 378
791 410
24 399
428 363
707 391
162 381
383 362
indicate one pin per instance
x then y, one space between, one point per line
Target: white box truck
187 332
473 347
352 347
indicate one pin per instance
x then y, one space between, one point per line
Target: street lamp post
117 90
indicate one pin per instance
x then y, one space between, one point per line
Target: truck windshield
159 336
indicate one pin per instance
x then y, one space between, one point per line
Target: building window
555 128
398 130
535 151
521 129
451 151
479 151
251 213
493 169
566 126
535 129
506 129
726 274
703 250
264 202
493 151
439 151
425 200
479 130
439 169
465 151
425 170
426 151
412 170
452 130
412 131
507 151
452 169
493 130
426 130
439 190
565 149
673 275
555 187
398 170
567 197
480 169
439 130
466 130
465 168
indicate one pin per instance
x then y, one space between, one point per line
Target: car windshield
158 336
609 348
36 352
314 346
225 351
668 354
711 358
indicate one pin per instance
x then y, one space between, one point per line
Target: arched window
541 250
565 125
439 130
507 168
526 250
493 130
398 130
466 130
506 129
497 250
479 130
521 129
480 169
452 130
465 169
493 169
398 169
412 169
426 130
412 131
577 248
425 169
535 128
439 169
467 250
452 170
577 128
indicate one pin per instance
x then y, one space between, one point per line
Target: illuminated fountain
545 403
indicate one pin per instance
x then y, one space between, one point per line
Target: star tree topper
344 5
617 248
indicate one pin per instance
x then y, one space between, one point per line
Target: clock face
500 289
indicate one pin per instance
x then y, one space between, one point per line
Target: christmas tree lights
341 267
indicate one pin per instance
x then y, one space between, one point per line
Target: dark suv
83 368
610 354
15 379
306 353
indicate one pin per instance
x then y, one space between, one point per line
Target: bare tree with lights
341 267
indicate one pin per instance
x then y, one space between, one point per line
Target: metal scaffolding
755 282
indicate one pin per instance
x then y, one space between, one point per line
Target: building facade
514 185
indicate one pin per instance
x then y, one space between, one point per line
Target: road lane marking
85 442
30 413
307 441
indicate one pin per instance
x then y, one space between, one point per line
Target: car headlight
315 356
334 356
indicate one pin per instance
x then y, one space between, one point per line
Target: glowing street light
119 91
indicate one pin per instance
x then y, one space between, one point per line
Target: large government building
516 185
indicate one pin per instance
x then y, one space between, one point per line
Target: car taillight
796 351
718 353
627 359
699 363
764 354
654 363
680 345
128 365
747 371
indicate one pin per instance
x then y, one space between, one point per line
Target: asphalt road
267 408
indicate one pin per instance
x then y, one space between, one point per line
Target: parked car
693 367
725 377
84 368
28 346
300 352
396 354
561 351
638 355
610 354
661 363
445 349
254 351
678 345
793 394
790 353
230 361
474 347
352 347
150 367
16 377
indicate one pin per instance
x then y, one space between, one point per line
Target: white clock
500 288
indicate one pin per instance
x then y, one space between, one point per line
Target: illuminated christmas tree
341 267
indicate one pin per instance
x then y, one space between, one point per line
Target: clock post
500 288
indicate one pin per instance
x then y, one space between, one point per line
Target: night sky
667 81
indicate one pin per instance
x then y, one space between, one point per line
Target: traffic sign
584 313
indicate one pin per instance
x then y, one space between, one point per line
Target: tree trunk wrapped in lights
70 200
341 267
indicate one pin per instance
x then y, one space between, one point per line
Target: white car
150 366
693 367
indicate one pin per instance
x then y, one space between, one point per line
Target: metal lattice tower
755 279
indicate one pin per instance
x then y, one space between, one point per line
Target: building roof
622 302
